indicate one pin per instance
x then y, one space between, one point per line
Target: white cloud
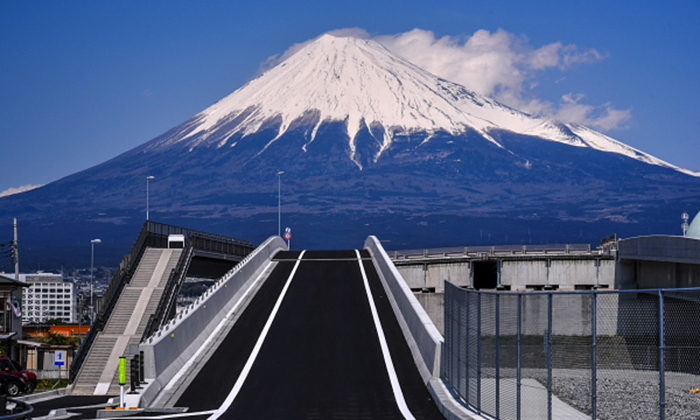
277 58
505 67
500 65
24 188
603 117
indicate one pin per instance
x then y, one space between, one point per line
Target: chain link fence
609 354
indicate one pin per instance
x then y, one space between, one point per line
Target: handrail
111 295
169 296
152 234
221 282
466 251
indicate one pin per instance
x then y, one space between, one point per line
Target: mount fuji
369 144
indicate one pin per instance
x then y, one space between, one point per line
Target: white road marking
258 345
395 386
165 416
175 381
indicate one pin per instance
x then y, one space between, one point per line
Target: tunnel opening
485 274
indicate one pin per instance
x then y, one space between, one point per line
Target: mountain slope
370 144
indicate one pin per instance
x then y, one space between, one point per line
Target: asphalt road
84 406
321 356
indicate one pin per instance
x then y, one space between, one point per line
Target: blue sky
84 81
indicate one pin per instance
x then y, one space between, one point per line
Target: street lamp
92 278
148 178
279 203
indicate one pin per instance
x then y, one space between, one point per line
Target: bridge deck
320 354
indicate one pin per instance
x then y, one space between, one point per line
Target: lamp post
148 178
92 279
279 203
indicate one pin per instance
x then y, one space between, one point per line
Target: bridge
142 296
323 334
341 334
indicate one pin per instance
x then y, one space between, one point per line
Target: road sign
288 230
60 358
288 235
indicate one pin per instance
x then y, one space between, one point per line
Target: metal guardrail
468 251
166 305
609 354
122 275
155 235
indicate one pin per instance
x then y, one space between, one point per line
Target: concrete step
121 316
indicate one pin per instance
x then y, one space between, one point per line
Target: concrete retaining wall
169 348
422 336
519 274
565 274
432 275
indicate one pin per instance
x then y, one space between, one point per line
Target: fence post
478 353
469 295
498 358
520 323
549 356
594 355
662 378
448 335
457 368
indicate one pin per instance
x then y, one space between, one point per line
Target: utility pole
16 253
148 178
279 203
92 280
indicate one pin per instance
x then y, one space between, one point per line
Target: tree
60 340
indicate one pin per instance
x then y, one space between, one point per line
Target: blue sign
60 358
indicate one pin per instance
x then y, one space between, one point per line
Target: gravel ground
623 399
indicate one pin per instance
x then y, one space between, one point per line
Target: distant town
65 297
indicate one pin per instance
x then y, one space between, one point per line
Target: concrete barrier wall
422 336
433 275
677 249
169 348
566 273
434 305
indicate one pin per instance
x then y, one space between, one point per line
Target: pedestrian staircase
138 300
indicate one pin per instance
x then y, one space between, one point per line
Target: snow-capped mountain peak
361 83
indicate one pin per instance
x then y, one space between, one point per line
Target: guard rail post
134 379
662 373
142 376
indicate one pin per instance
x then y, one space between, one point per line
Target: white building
47 297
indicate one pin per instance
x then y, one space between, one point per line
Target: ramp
318 340
125 327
